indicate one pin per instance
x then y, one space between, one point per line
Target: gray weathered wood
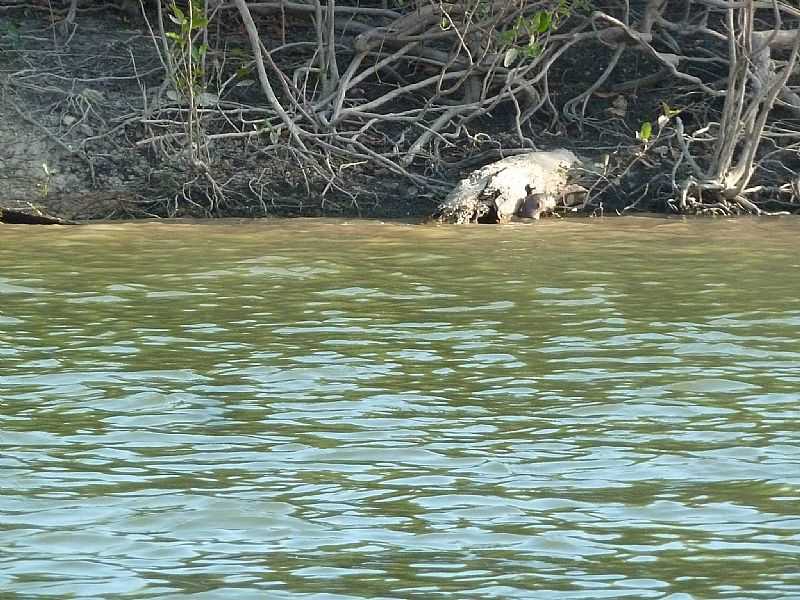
24 217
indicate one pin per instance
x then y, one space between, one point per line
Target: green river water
328 410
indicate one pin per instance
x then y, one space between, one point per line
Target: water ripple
220 412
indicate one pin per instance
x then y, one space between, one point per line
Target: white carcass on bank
525 185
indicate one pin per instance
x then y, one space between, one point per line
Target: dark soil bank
132 111
73 116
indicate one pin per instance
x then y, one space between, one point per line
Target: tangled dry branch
415 87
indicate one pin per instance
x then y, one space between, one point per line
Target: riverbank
93 127
75 115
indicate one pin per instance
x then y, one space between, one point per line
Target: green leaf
536 21
545 22
646 131
176 10
533 49
506 37
198 52
669 112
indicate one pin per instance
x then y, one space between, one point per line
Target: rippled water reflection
338 411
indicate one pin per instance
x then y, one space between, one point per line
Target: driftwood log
67 209
527 185
28 217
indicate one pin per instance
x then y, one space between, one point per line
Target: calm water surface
323 410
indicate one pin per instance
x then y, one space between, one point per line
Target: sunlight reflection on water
308 410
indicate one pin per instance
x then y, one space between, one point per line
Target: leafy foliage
535 29
189 56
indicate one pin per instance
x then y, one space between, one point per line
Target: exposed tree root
418 88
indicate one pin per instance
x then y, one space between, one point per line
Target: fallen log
13 216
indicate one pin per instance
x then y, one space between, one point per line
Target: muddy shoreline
71 133
89 131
